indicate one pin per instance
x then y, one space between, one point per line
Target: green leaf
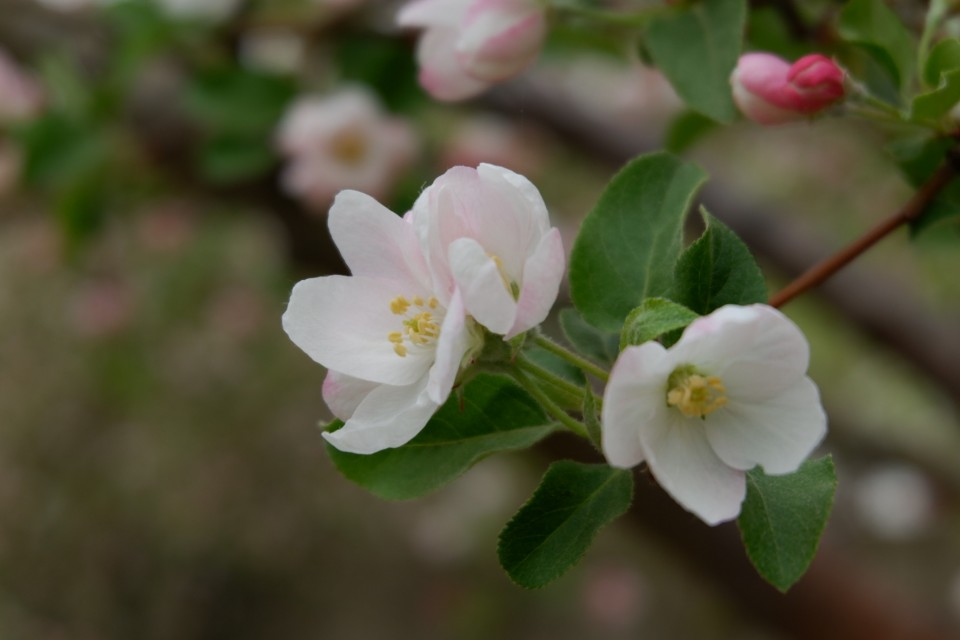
553 530
686 130
496 416
783 518
697 48
718 269
238 101
628 245
943 58
652 319
873 26
933 105
918 158
599 346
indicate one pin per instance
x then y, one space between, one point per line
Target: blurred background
165 169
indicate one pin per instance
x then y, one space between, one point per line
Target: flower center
694 394
349 147
420 326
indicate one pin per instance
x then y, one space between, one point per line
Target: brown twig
922 199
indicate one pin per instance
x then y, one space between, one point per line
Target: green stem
548 404
531 367
581 363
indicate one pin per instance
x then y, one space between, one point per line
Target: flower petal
636 387
451 346
376 242
542 275
479 279
428 13
685 465
440 72
756 350
343 394
777 433
390 416
343 322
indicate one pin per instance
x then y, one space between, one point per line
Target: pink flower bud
770 90
468 45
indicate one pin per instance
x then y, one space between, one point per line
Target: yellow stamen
417 300
432 302
349 147
399 305
694 394
511 286
395 336
400 350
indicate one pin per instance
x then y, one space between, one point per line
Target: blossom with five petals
486 233
392 344
731 394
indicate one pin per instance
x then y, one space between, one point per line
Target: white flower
732 393
468 45
343 141
486 233
393 345
20 95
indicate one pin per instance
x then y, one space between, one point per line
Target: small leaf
497 416
933 105
873 26
628 245
553 530
697 47
599 346
652 319
718 269
226 159
783 518
943 58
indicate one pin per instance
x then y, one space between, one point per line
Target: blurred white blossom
894 501
344 141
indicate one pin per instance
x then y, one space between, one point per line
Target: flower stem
581 363
922 199
572 392
548 404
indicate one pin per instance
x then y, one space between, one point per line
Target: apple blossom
393 346
344 141
469 45
732 393
770 90
486 233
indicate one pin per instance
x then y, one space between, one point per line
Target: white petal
451 346
685 465
426 13
485 294
536 208
343 394
636 387
542 275
390 416
777 433
343 322
755 349
376 242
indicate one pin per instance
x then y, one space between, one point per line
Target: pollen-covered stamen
420 326
694 394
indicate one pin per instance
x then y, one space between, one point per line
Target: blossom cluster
475 261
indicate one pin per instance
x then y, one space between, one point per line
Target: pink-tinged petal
429 13
686 466
535 209
500 38
755 349
761 111
390 416
343 394
451 346
777 433
343 322
376 242
769 90
637 387
485 294
542 275
440 72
